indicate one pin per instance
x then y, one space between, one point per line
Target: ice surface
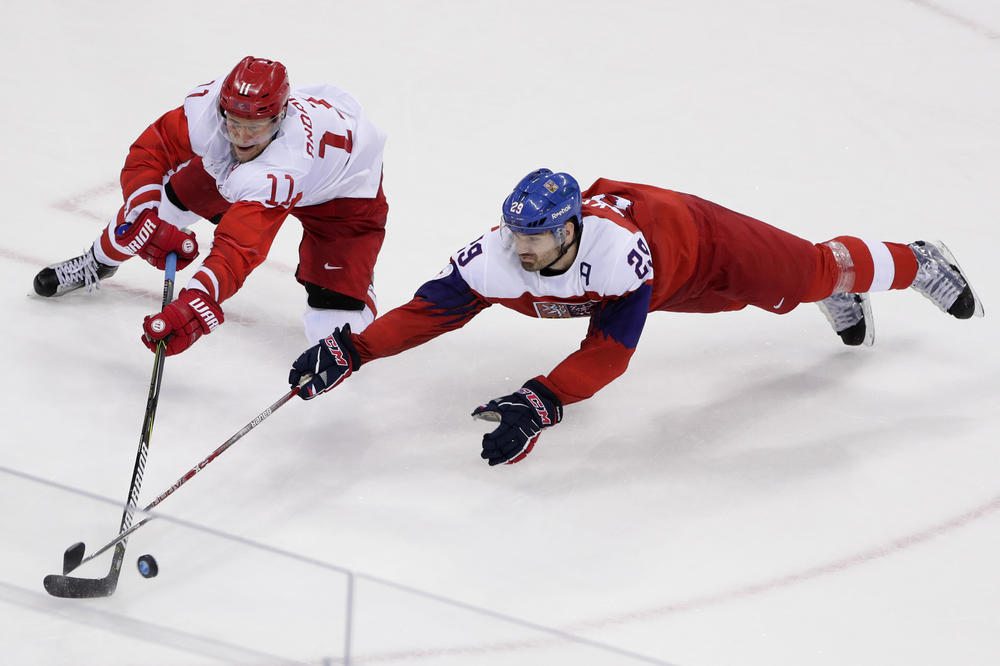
751 492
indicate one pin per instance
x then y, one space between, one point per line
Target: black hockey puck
147 566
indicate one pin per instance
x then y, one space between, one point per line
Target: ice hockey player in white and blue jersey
614 253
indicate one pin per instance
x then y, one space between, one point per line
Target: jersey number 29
640 260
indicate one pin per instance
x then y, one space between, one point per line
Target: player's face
536 251
249 138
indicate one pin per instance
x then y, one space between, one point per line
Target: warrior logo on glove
206 313
181 322
153 239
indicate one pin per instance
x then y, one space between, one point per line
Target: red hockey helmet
256 88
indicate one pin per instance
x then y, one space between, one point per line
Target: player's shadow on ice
769 421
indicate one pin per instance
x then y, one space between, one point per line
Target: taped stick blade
68 587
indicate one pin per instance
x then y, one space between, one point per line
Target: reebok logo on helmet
562 211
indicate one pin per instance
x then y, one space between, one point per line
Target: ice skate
940 279
70 275
850 315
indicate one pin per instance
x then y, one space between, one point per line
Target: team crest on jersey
553 310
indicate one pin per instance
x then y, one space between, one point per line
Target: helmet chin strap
563 249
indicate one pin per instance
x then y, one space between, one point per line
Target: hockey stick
78 559
64 586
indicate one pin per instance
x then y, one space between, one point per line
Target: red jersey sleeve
604 355
163 146
242 241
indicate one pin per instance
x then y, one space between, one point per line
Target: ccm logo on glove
538 404
521 416
325 364
334 348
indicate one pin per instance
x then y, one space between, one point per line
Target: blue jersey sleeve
622 319
440 305
450 298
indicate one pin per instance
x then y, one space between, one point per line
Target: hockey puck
147 566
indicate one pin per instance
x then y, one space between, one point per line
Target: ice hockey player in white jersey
614 253
245 152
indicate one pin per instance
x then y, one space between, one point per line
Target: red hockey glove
153 239
183 321
522 416
325 364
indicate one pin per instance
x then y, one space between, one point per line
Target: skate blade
952 260
866 308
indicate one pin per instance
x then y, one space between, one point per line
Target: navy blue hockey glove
521 415
326 364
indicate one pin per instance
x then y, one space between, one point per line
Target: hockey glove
153 239
183 321
326 364
522 416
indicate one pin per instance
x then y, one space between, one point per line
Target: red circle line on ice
694 604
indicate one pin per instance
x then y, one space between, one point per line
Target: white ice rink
750 493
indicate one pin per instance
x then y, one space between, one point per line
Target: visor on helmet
508 232
244 132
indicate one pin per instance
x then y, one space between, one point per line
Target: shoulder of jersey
328 126
201 109
598 207
605 235
613 248
322 109
330 97
487 257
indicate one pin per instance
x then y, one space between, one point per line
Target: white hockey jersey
325 148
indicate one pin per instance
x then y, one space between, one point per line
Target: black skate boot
850 315
70 275
941 280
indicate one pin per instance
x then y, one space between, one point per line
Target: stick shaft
153 399
256 421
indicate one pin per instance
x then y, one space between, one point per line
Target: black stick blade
69 587
73 557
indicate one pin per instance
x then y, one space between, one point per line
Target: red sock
864 266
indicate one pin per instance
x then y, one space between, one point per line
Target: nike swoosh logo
334 268
779 303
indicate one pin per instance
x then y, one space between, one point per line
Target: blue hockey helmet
542 201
